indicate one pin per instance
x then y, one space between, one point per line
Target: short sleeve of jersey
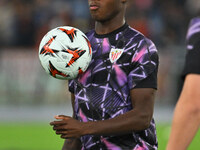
144 66
192 60
71 86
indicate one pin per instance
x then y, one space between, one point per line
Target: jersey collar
111 33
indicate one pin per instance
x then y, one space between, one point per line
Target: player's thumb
61 117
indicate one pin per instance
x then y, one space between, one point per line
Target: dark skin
143 103
137 119
109 16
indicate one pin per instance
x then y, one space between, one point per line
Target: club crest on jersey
115 54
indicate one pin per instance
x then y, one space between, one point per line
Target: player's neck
108 26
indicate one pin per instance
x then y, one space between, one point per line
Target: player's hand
67 127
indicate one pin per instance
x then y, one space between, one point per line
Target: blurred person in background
113 101
186 120
23 23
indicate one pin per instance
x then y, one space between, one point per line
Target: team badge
115 54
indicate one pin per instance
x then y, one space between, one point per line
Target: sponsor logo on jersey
115 54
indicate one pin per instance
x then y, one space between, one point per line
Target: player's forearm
137 119
186 119
184 126
131 121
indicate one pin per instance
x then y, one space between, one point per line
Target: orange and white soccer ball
65 52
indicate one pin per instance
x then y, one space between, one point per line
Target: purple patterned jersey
192 62
122 60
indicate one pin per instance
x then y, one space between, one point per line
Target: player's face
103 10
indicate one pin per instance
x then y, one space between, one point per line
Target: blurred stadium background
29 98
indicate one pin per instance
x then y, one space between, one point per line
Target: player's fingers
61 132
61 127
53 123
65 136
70 134
62 117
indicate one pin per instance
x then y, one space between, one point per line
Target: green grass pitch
40 136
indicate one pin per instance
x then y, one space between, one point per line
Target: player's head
104 10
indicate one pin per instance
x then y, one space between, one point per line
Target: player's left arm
137 119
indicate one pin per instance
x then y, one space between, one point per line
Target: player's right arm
186 119
72 143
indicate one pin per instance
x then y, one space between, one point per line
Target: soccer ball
65 52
